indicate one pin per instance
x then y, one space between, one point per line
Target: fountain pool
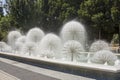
66 53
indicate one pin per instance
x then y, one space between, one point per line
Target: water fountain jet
52 43
12 37
2 46
103 56
18 46
21 39
74 30
35 35
99 45
73 48
29 47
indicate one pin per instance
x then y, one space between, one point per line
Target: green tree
101 16
27 13
48 14
97 15
60 11
6 24
115 39
115 13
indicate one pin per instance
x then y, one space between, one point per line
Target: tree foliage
100 16
26 12
6 24
48 14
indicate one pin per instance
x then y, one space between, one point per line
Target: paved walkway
22 74
6 76
29 72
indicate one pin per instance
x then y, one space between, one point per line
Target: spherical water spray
35 35
73 48
51 42
2 46
74 30
103 56
47 54
21 39
99 45
18 46
29 47
12 37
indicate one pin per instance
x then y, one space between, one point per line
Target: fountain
51 42
65 53
74 30
18 47
99 45
72 49
47 54
21 39
8 49
29 48
2 46
12 37
34 35
104 56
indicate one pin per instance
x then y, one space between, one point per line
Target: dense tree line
100 17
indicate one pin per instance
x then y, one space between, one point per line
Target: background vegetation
100 17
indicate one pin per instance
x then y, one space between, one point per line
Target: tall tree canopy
27 13
101 17
48 14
